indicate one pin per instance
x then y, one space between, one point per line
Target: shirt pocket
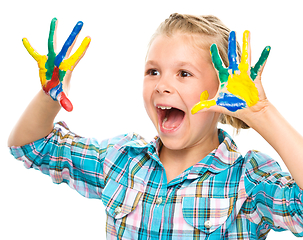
119 200
207 214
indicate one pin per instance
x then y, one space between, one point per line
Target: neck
176 161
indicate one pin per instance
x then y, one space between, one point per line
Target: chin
173 142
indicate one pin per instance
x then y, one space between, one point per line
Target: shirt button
159 200
208 224
118 210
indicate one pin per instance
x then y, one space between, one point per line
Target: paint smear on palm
240 83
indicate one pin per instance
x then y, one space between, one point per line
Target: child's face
176 73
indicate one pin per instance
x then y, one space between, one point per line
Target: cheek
192 94
209 83
147 97
203 121
213 85
146 92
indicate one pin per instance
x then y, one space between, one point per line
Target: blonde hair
215 30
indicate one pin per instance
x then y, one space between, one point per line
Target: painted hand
53 67
237 89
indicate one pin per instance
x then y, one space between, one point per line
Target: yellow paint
69 64
204 103
243 66
243 87
204 96
241 84
41 60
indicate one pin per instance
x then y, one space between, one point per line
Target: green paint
49 65
264 55
217 61
61 75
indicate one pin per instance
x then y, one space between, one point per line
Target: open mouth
170 118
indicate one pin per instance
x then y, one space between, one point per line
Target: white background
107 91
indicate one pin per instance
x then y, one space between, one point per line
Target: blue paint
230 102
54 92
59 58
232 52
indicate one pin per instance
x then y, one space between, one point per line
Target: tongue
173 118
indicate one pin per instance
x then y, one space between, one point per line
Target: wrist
260 114
47 102
268 122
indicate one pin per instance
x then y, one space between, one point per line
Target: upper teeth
164 107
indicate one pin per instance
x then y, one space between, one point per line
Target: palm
53 67
238 89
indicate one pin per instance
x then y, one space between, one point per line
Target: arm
37 120
288 143
274 199
241 95
67 158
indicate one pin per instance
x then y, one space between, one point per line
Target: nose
164 86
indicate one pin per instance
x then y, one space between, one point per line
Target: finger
65 102
68 44
215 56
232 52
217 61
51 48
70 63
249 49
41 60
256 69
245 58
31 50
52 39
204 103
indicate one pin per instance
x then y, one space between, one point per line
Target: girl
190 182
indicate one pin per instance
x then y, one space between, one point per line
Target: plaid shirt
224 196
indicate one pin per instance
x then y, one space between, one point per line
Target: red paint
54 80
65 102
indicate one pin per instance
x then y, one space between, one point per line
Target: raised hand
238 89
53 67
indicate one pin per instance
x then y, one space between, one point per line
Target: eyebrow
181 64
178 64
185 64
151 62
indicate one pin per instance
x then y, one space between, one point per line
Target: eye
184 74
152 72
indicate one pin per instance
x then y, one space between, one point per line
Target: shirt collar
224 156
139 145
221 158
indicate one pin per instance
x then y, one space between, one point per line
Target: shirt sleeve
67 157
275 200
